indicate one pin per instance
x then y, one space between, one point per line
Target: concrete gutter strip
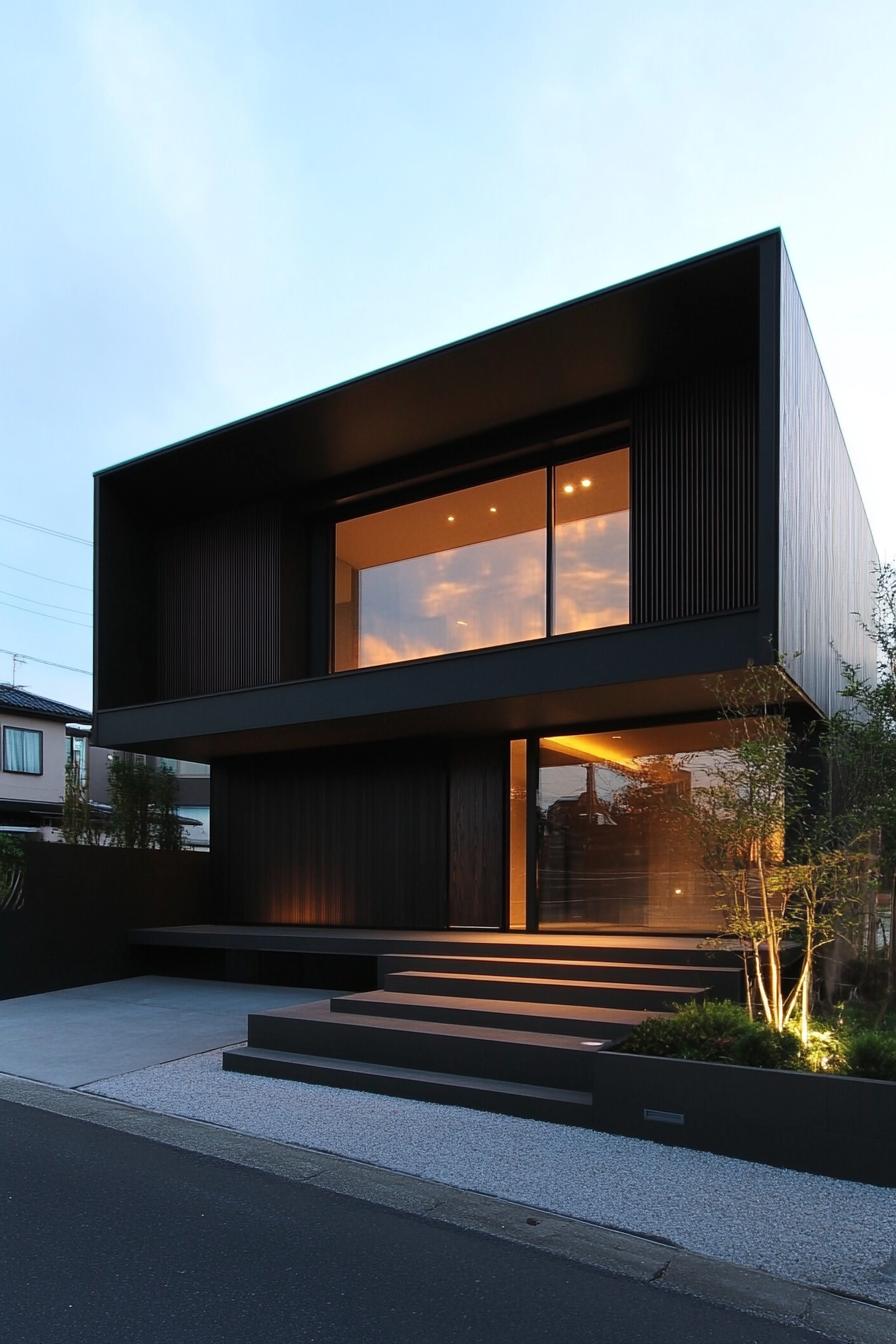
667 1266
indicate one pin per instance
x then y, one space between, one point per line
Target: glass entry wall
611 848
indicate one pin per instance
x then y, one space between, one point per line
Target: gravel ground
834 1233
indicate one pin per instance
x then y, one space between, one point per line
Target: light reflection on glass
611 846
591 543
406 589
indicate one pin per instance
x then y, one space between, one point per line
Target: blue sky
210 208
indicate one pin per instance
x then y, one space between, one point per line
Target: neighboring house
444 633
192 790
38 739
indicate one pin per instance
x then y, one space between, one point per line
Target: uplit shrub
715 1032
872 1054
760 1047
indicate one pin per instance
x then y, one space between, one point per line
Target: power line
46 615
20 597
29 658
51 532
45 577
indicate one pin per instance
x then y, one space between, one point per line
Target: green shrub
716 1032
761 1047
872 1054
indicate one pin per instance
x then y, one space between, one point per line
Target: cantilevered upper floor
578 516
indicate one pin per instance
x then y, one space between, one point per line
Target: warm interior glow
591 544
517 835
406 589
612 846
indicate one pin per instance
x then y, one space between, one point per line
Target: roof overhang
693 315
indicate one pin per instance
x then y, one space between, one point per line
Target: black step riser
580 1029
723 982
446 1093
339 1038
641 999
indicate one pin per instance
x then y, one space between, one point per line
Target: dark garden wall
834 1126
79 902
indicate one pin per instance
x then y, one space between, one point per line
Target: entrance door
476 792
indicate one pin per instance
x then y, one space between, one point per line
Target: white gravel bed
811 1228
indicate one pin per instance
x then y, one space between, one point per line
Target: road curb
667 1266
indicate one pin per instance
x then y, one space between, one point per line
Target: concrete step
561 1105
723 981
589 993
545 1059
606 1024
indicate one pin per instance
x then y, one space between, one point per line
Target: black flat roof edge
700 259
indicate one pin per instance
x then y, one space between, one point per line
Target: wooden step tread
391 1071
497 964
518 1007
614 986
320 1012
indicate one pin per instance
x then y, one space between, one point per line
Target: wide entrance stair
513 1033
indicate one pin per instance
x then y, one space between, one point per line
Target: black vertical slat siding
218 607
344 837
694 497
826 548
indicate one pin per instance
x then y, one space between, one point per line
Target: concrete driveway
73 1037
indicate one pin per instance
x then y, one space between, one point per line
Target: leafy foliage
78 826
12 858
716 1032
143 797
872 1054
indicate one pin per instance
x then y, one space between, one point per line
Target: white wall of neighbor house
49 785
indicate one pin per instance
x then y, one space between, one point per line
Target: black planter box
834 1126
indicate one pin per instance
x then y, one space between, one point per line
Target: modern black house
445 632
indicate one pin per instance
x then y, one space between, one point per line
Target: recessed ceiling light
568 489
617 737
451 517
493 509
461 622
586 483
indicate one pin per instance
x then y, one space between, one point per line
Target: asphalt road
108 1238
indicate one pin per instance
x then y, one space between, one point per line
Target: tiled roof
23 702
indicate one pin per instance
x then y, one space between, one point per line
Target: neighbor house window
472 569
77 757
461 571
23 751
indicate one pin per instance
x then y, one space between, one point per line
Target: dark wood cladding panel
219 603
694 497
477 791
348 837
827 555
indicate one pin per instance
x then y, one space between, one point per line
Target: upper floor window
470 569
76 757
23 751
461 571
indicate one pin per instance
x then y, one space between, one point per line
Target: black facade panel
827 552
476 834
218 610
349 837
693 506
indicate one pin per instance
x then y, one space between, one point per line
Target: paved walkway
74 1037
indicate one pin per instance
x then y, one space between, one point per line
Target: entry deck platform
629 946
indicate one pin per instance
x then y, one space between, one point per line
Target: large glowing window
591 541
459 571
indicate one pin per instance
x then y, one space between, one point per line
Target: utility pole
16 659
